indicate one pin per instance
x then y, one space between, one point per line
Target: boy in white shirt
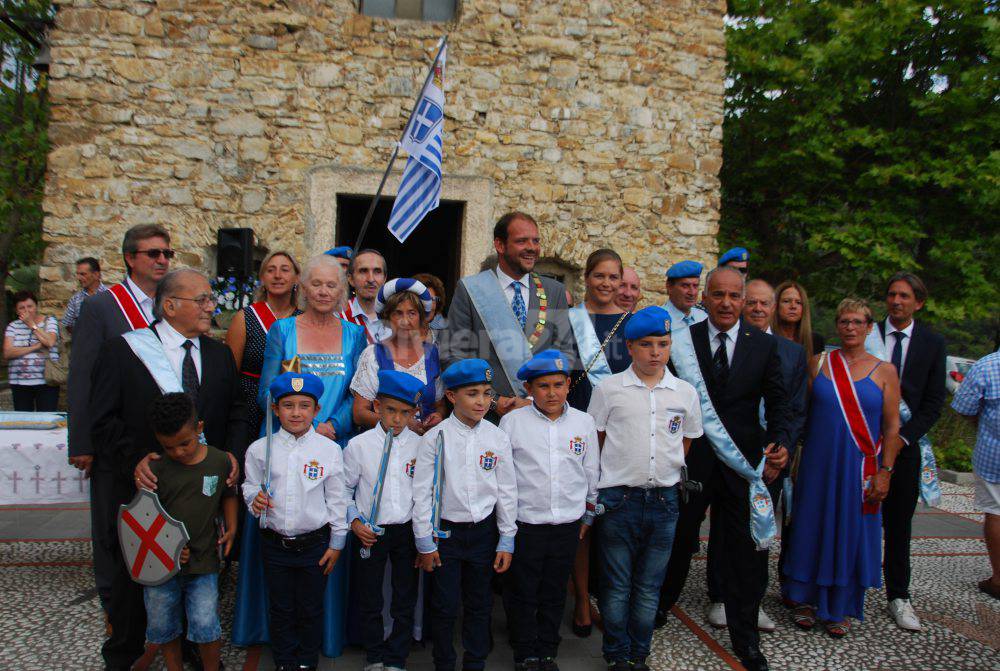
557 464
306 523
478 511
646 419
390 513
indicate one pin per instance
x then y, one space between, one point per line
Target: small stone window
421 10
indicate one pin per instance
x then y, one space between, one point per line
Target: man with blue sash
733 366
506 314
683 281
918 353
174 354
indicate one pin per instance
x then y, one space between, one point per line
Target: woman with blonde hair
247 334
793 319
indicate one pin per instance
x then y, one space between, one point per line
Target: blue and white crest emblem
761 503
427 116
488 461
312 470
675 424
577 445
410 467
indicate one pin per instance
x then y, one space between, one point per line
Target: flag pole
395 150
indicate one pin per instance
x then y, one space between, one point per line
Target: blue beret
306 384
651 321
400 386
394 286
546 362
734 254
344 252
684 269
467 371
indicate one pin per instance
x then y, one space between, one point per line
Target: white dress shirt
645 428
478 479
378 329
307 484
508 290
890 341
173 345
362 459
678 318
557 464
731 334
144 301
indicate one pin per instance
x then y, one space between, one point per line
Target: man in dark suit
918 353
103 316
741 367
122 391
516 240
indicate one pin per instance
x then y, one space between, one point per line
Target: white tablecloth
33 462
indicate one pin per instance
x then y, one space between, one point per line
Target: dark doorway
432 248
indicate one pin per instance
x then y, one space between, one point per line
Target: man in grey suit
103 316
537 304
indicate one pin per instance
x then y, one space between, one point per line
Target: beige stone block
346 134
100 166
245 124
556 45
176 196
636 198
684 162
254 149
710 164
81 20
64 158
325 75
152 25
195 75
283 18
136 69
252 200
123 23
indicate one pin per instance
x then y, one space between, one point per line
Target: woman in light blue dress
317 342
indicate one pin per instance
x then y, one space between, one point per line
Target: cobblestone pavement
53 620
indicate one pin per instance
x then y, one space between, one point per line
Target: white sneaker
902 612
764 622
717 614
374 666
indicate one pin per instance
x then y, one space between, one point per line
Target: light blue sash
149 349
763 528
588 344
786 484
505 333
930 487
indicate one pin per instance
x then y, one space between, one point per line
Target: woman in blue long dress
317 342
599 333
835 552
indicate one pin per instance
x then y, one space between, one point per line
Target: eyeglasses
157 253
856 323
205 300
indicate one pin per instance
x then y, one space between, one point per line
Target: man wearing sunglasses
103 316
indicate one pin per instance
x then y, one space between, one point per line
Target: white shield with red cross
151 540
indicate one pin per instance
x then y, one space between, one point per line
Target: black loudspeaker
235 252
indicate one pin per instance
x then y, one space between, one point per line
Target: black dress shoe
620 665
660 618
191 656
529 664
548 664
582 630
754 660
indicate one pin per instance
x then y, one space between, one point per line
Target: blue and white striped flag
420 190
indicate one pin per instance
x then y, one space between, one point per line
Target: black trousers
103 510
897 522
535 589
395 546
34 397
466 570
126 610
295 585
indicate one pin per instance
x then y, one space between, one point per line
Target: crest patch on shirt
488 461
675 424
410 467
577 445
209 484
313 470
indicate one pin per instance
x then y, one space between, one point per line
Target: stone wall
602 118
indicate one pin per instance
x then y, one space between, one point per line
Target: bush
953 438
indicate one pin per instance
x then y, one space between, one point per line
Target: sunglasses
157 253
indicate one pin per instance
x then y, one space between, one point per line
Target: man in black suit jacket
147 254
919 355
741 367
121 394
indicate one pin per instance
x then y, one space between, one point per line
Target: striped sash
850 406
129 307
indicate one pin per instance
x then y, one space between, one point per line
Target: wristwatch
887 469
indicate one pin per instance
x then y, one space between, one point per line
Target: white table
33 461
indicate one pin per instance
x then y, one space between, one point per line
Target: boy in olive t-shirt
191 486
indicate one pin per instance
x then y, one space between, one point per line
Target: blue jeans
198 595
636 532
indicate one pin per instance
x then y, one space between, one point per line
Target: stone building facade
602 118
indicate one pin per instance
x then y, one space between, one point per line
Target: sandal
804 616
838 629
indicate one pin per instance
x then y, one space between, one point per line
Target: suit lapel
743 345
699 337
881 329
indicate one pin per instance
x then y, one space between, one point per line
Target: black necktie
897 352
189 374
720 360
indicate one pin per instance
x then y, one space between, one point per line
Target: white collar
679 309
713 331
908 331
285 436
629 378
768 331
380 432
506 279
541 415
462 426
357 310
140 295
171 337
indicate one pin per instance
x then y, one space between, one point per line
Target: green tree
861 138
23 136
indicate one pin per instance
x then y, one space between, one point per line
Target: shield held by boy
151 540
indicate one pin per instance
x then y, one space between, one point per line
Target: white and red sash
129 306
357 319
850 406
264 314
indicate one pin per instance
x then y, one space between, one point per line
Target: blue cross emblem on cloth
427 116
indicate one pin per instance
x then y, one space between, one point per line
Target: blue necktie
688 319
897 352
517 305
